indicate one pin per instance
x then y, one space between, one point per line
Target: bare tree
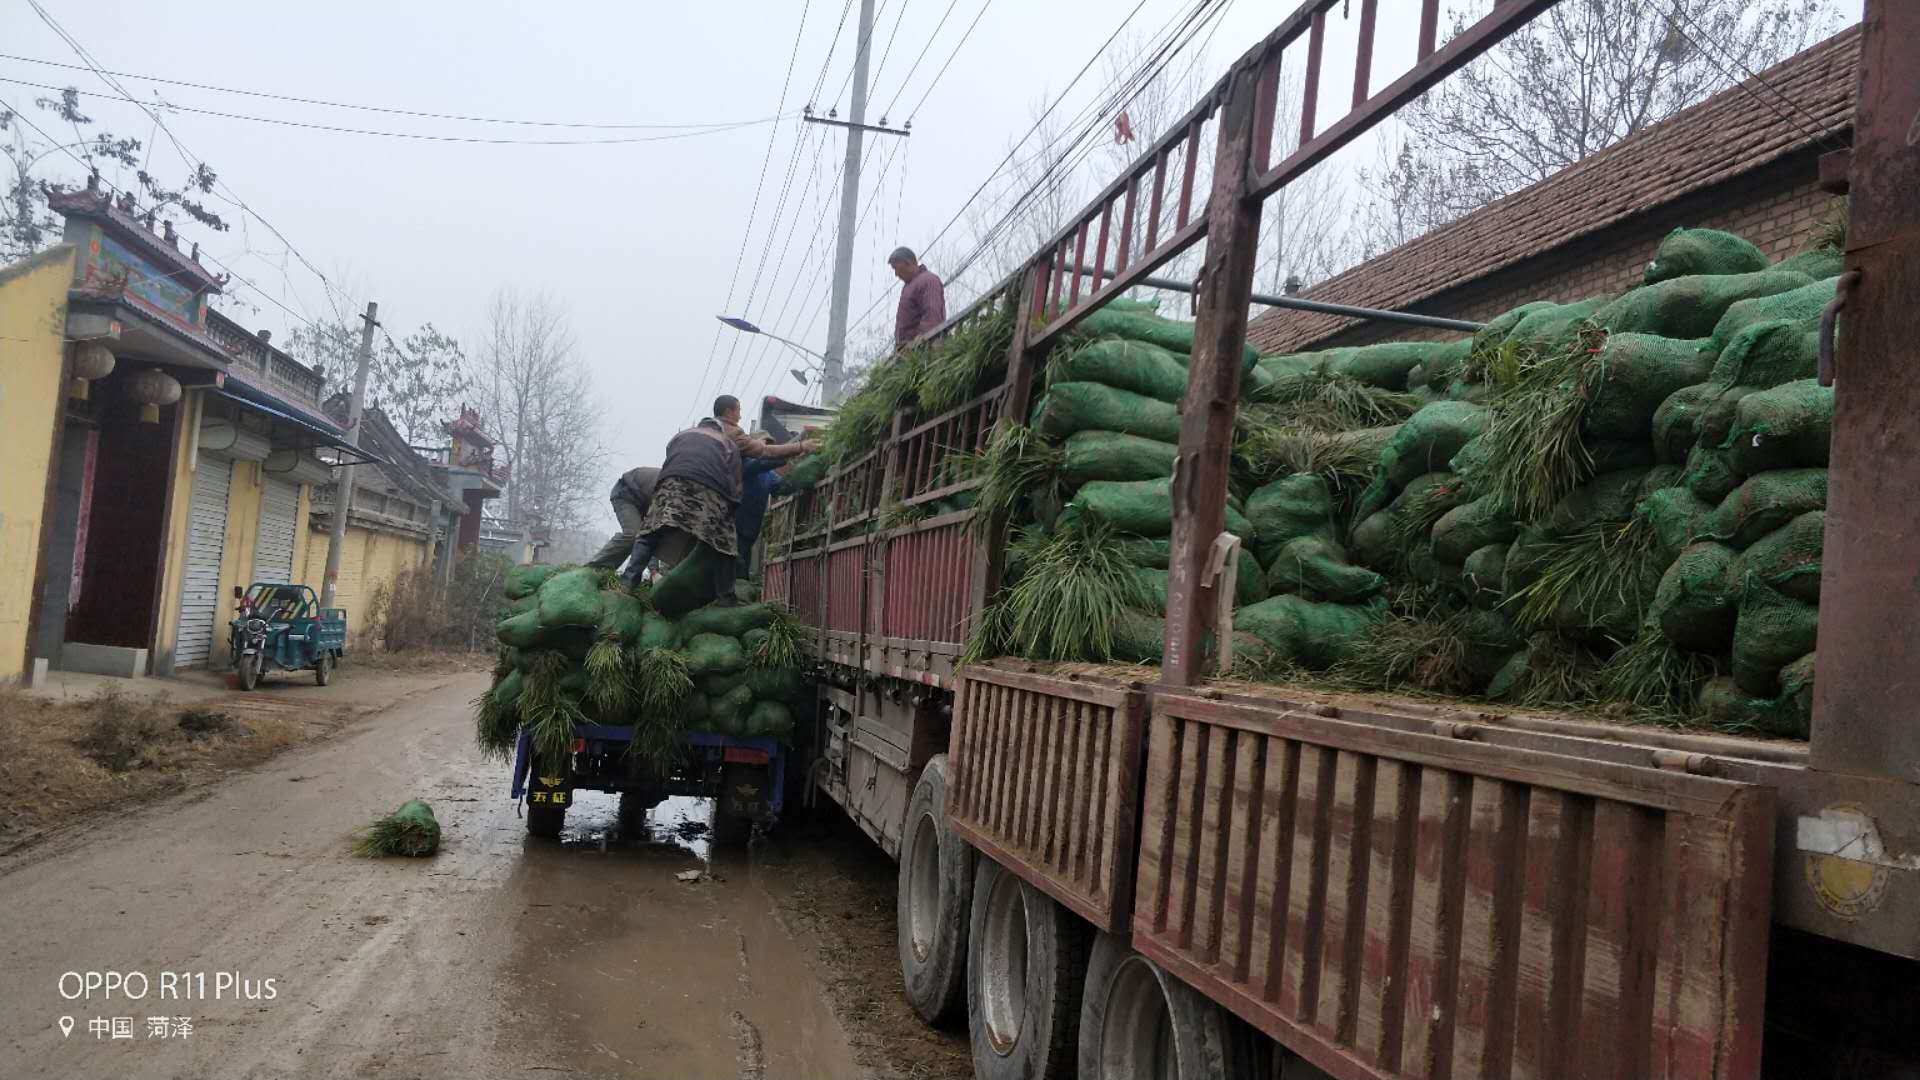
1033 199
416 380
537 399
1578 79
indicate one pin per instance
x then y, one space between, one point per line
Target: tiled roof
1734 132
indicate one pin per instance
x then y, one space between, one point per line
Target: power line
388 110
931 38
1716 50
899 17
865 39
416 136
833 46
943 67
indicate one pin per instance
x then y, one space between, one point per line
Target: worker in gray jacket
630 496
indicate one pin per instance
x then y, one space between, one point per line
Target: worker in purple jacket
923 298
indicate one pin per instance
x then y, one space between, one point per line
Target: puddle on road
680 822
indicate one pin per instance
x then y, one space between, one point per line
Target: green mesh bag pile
576 648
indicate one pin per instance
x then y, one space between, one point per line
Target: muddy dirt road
500 957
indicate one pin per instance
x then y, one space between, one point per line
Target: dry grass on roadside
62 758
417 661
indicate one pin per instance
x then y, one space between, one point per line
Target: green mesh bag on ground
1385 365
1471 526
688 585
1695 603
1686 252
768 720
570 598
1709 475
1788 558
1311 634
1767 354
523 581
1678 517
1638 372
1429 439
1144 369
1139 507
1609 497
1765 503
1152 329
1548 326
806 472
1422 566
1110 455
1292 506
715 654
1676 424
1772 630
1803 303
1688 307
1481 574
1819 263
1788 716
522 631
1071 407
1317 568
622 616
732 621
1786 427
658 632
1371 542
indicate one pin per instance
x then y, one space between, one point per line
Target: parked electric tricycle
280 627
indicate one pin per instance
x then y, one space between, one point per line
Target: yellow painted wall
173 560
236 558
33 316
368 559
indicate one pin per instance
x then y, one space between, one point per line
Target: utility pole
834 376
343 486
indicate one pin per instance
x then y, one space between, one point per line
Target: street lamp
746 327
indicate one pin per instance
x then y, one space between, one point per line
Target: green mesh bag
1422 566
1687 252
1442 363
1481 574
1491 335
522 631
1070 407
1637 373
1471 465
570 598
1308 363
622 616
774 684
1819 263
1730 709
1769 353
1678 517
714 654
1607 498
523 581
1765 503
1249 584
1144 369
1471 393
1549 326
1132 306
658 632
768 720
1292 506
727 714
1794 305
528 602
732 621
806 472
506 693
1786 427
752 640
1467 528
1152 329
1110 455
1139 507
1309 633
1709 475
1371 542
1152 554
1429 439
1788 558
1385 365
721 685
1676 424
1688 307
1772 630
688 585
1695 603
1317 568
1716 420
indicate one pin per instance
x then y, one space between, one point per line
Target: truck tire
1138 1021
932 903
1025 954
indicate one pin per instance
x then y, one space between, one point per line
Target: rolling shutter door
206 537
273 551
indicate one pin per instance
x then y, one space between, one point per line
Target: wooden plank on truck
1421 905
1049 774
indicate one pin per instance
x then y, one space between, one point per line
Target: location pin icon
66 1026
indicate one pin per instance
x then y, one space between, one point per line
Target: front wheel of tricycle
323 668
249 670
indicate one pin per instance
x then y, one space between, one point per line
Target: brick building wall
1780 208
